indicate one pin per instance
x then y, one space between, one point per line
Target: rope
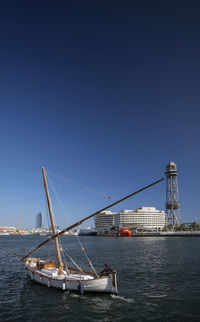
63 252
89 261
74 262
82 248
82 186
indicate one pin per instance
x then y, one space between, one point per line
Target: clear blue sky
104 93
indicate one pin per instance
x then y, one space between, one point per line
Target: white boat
59 275
49 274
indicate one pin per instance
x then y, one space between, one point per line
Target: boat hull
72 282
91 233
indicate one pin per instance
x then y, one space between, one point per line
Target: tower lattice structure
172 195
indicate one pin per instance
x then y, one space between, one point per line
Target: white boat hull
89 283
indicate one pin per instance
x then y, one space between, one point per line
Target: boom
88 217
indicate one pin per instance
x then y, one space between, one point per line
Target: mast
58 255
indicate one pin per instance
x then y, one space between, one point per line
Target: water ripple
158 280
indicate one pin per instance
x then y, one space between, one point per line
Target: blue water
158 280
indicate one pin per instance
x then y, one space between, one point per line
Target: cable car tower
172 196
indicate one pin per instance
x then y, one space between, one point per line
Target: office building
39 222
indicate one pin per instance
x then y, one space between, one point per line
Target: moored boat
89 231
123 232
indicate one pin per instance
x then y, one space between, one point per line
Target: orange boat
123 232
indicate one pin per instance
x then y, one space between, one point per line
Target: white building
7 230
146 218
104 221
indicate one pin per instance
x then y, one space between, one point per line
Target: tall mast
58 255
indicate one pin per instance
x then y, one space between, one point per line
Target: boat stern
113 277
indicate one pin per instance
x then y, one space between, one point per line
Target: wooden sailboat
60 276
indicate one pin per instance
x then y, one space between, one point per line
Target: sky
104 94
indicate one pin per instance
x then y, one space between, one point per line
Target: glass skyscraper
39 222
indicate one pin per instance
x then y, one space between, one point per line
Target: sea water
158 280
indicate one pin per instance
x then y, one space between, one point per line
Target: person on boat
38 264
106 271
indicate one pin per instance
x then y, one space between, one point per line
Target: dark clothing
106 270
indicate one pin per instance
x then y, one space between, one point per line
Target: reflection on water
158 280
117 297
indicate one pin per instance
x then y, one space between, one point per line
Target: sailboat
59 275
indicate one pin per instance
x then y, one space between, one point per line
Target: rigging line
59 201
61 205
89 261
64 252
82 248
73 261
81 186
